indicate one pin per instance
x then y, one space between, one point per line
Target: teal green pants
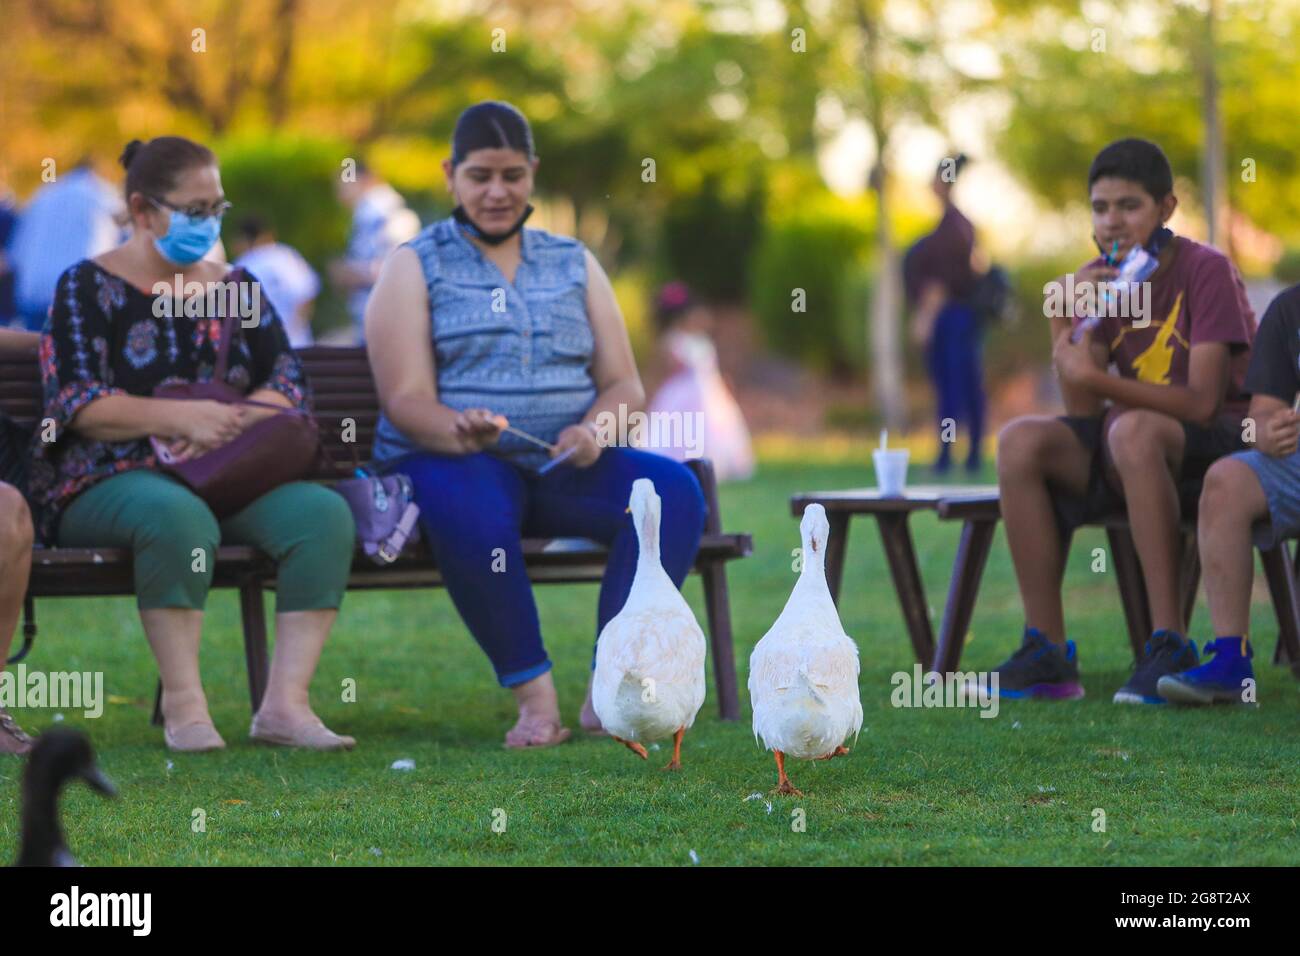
307 529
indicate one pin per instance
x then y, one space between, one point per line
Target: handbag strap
223 350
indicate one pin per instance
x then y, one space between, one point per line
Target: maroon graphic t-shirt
1197 297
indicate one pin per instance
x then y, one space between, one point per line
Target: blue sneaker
1222 680
1168 652
1040 669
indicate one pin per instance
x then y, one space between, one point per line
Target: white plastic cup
891 470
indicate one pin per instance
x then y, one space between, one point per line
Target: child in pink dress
693 394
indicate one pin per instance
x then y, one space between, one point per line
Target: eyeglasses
196 210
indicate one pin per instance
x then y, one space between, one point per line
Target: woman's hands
201 426
582 438
476 429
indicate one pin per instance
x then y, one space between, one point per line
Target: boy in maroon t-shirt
1140 437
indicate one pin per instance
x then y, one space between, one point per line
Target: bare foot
536 730
839 751
539 722
787 789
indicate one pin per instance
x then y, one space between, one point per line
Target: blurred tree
1141 72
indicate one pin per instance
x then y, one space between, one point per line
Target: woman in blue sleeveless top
479 319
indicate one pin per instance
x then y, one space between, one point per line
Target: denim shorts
1280 479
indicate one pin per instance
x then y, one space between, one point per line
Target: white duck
803 674
649 679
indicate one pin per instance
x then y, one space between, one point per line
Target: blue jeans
953 362
473 505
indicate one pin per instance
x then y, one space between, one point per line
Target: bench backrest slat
341 383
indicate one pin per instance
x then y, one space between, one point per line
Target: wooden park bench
343 389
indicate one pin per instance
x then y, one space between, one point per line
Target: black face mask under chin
492 239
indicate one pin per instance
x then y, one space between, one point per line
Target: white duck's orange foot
676 762
633 746
840 751
783 784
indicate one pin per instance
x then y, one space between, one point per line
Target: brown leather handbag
280 448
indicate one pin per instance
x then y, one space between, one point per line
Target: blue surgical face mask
188 239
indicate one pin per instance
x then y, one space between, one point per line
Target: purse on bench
280 448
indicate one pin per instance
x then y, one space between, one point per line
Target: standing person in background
75 217
16 538
287 280
380 223
939 280
694 389
8 225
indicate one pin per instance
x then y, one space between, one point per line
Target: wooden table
892 513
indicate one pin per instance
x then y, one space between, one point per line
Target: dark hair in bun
491 124
153 167
128 153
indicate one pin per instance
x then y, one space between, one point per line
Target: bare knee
1022 444
16 533
1139 439
1230 496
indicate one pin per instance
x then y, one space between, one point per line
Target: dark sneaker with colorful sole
1168 652
1040 669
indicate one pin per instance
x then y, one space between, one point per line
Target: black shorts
1202 447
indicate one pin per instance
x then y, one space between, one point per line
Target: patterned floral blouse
103 337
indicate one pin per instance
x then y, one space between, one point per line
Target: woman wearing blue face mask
111 338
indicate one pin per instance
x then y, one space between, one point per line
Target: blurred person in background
287 280
693 386
75 217
8 224
939 280
380 223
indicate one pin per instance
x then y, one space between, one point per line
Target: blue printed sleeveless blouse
521 349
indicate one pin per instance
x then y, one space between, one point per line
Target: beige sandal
13 739
196 738
311 736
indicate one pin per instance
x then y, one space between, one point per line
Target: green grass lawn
922 786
